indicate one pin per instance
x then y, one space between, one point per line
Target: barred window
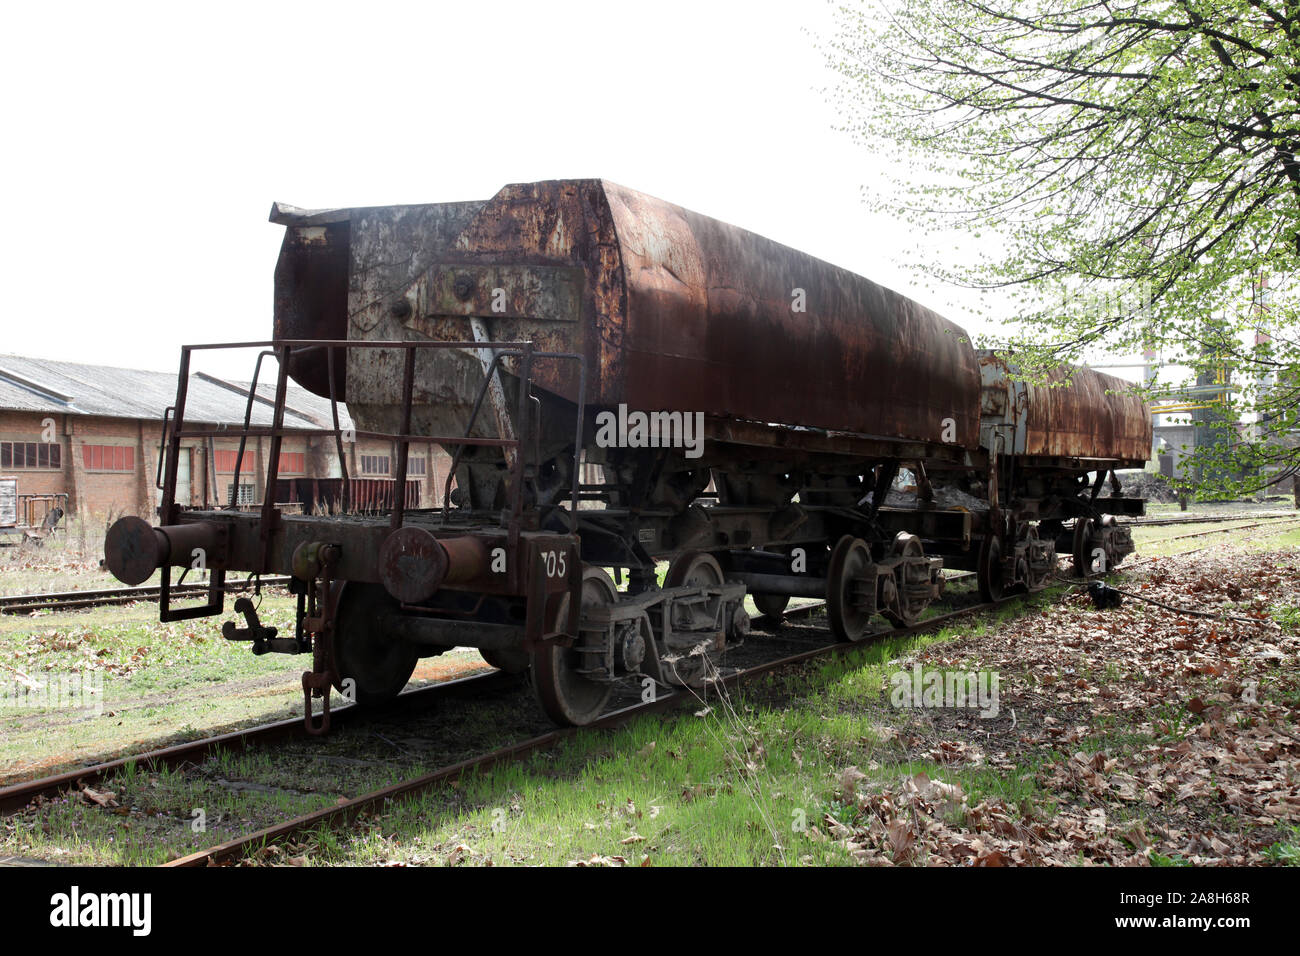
293 463
225 461
245 495
30 454
108 457
374 465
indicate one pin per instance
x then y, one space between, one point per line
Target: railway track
19 795
1209 519
344 812
72 600
1202 534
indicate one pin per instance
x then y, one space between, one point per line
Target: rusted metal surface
268 541
711 326
673 311
133 549
413 564
1094 416
320 269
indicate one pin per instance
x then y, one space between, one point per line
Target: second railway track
76 600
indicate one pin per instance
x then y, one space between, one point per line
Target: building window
293 463
415 467
225 462
30 454
108 457
374 465
246 495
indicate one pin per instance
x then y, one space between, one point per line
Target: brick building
93 433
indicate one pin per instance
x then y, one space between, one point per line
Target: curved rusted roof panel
724 321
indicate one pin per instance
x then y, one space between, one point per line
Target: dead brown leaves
1149 733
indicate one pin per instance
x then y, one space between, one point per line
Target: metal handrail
284 349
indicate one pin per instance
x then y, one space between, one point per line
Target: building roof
69 388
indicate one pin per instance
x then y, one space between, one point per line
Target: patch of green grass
1169 540
1288 618
1286 852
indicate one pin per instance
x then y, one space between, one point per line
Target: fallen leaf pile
1146 735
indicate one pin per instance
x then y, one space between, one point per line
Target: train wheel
567 696
989 571
1036 581
905 546
1081 552
510 660
380 666
773 605
694 568
849 559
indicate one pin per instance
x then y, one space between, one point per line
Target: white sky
145 143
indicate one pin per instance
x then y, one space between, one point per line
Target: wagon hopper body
514 330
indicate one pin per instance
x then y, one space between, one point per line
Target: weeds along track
1154 521
1291 519
789 642
17 796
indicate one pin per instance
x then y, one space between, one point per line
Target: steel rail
1202 534
347 811
17 796
1156 522
26 603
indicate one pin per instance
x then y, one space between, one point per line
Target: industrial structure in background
1181 418
85 439
1202 414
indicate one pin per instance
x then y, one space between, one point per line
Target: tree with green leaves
1129 172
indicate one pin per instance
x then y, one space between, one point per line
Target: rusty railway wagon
779 399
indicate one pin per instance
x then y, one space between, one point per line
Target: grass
1216 508
742 780
161 683
173 811
1286 852
1161 541
67 560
